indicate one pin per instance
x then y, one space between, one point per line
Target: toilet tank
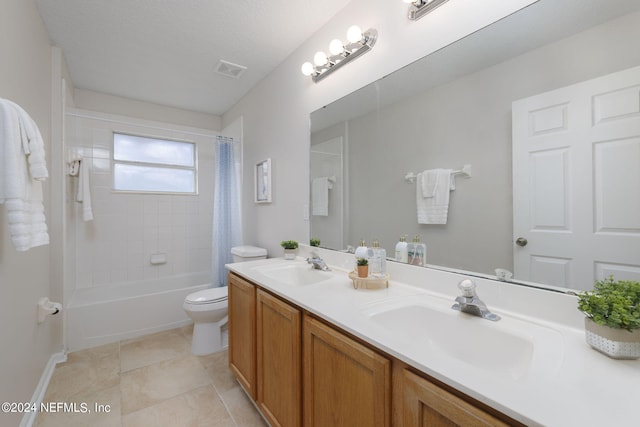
248 253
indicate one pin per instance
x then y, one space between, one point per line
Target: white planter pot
615 343
290 253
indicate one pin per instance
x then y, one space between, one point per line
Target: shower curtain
227 230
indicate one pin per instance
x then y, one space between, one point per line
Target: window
153 165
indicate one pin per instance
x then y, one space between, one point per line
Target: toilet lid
248 251
208 296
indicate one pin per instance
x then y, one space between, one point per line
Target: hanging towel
429 181
84 190
433 208
22 168
320 196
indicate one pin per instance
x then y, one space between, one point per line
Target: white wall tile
129 227
101 278
150 272
135 274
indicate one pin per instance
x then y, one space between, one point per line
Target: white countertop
569 384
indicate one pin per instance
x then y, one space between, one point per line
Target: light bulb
336 47
307 68
354 34
320 58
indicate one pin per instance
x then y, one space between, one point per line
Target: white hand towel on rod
429 181
320 196
433 209
84 190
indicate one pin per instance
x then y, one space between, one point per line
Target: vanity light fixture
419 8
357 44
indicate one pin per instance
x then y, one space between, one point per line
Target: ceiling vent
229 69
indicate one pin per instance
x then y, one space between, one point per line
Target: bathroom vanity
311 350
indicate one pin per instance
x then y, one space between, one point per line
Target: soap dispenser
377 260
402 250
417 252
361 252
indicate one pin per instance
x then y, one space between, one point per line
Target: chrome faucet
469 302
317 262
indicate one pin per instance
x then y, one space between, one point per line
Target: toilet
208 308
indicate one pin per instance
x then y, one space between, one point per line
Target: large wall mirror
516 101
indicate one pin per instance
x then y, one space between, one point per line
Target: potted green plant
612 322
363 267
290 247
314 242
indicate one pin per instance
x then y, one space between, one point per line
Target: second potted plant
363 267
612 323
290 247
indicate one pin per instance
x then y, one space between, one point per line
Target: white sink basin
295 274
508 348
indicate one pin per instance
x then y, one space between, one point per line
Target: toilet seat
207 296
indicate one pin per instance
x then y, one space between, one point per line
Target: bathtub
106 314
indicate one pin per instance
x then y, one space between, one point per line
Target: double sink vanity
311 350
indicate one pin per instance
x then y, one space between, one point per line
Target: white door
576 182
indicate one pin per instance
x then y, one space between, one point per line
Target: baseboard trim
38 395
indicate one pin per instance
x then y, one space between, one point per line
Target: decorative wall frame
263 182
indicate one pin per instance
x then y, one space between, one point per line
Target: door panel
616 176
550 187
278 360
427 405
242 332
345 383
576 173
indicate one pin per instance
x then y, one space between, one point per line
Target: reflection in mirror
516 100
327 192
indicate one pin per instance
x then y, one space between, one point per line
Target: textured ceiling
166 51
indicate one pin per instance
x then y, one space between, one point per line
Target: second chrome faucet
468 302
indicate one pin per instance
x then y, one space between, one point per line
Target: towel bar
465 172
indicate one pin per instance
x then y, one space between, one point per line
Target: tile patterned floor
149 381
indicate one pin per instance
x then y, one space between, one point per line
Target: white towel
22 168
429 181
83 194
320 196
434 208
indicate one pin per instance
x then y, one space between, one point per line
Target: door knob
521 241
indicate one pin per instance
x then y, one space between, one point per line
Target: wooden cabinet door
242 332
345 383
278 361
426 404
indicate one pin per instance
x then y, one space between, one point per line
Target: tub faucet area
317 262
469 302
